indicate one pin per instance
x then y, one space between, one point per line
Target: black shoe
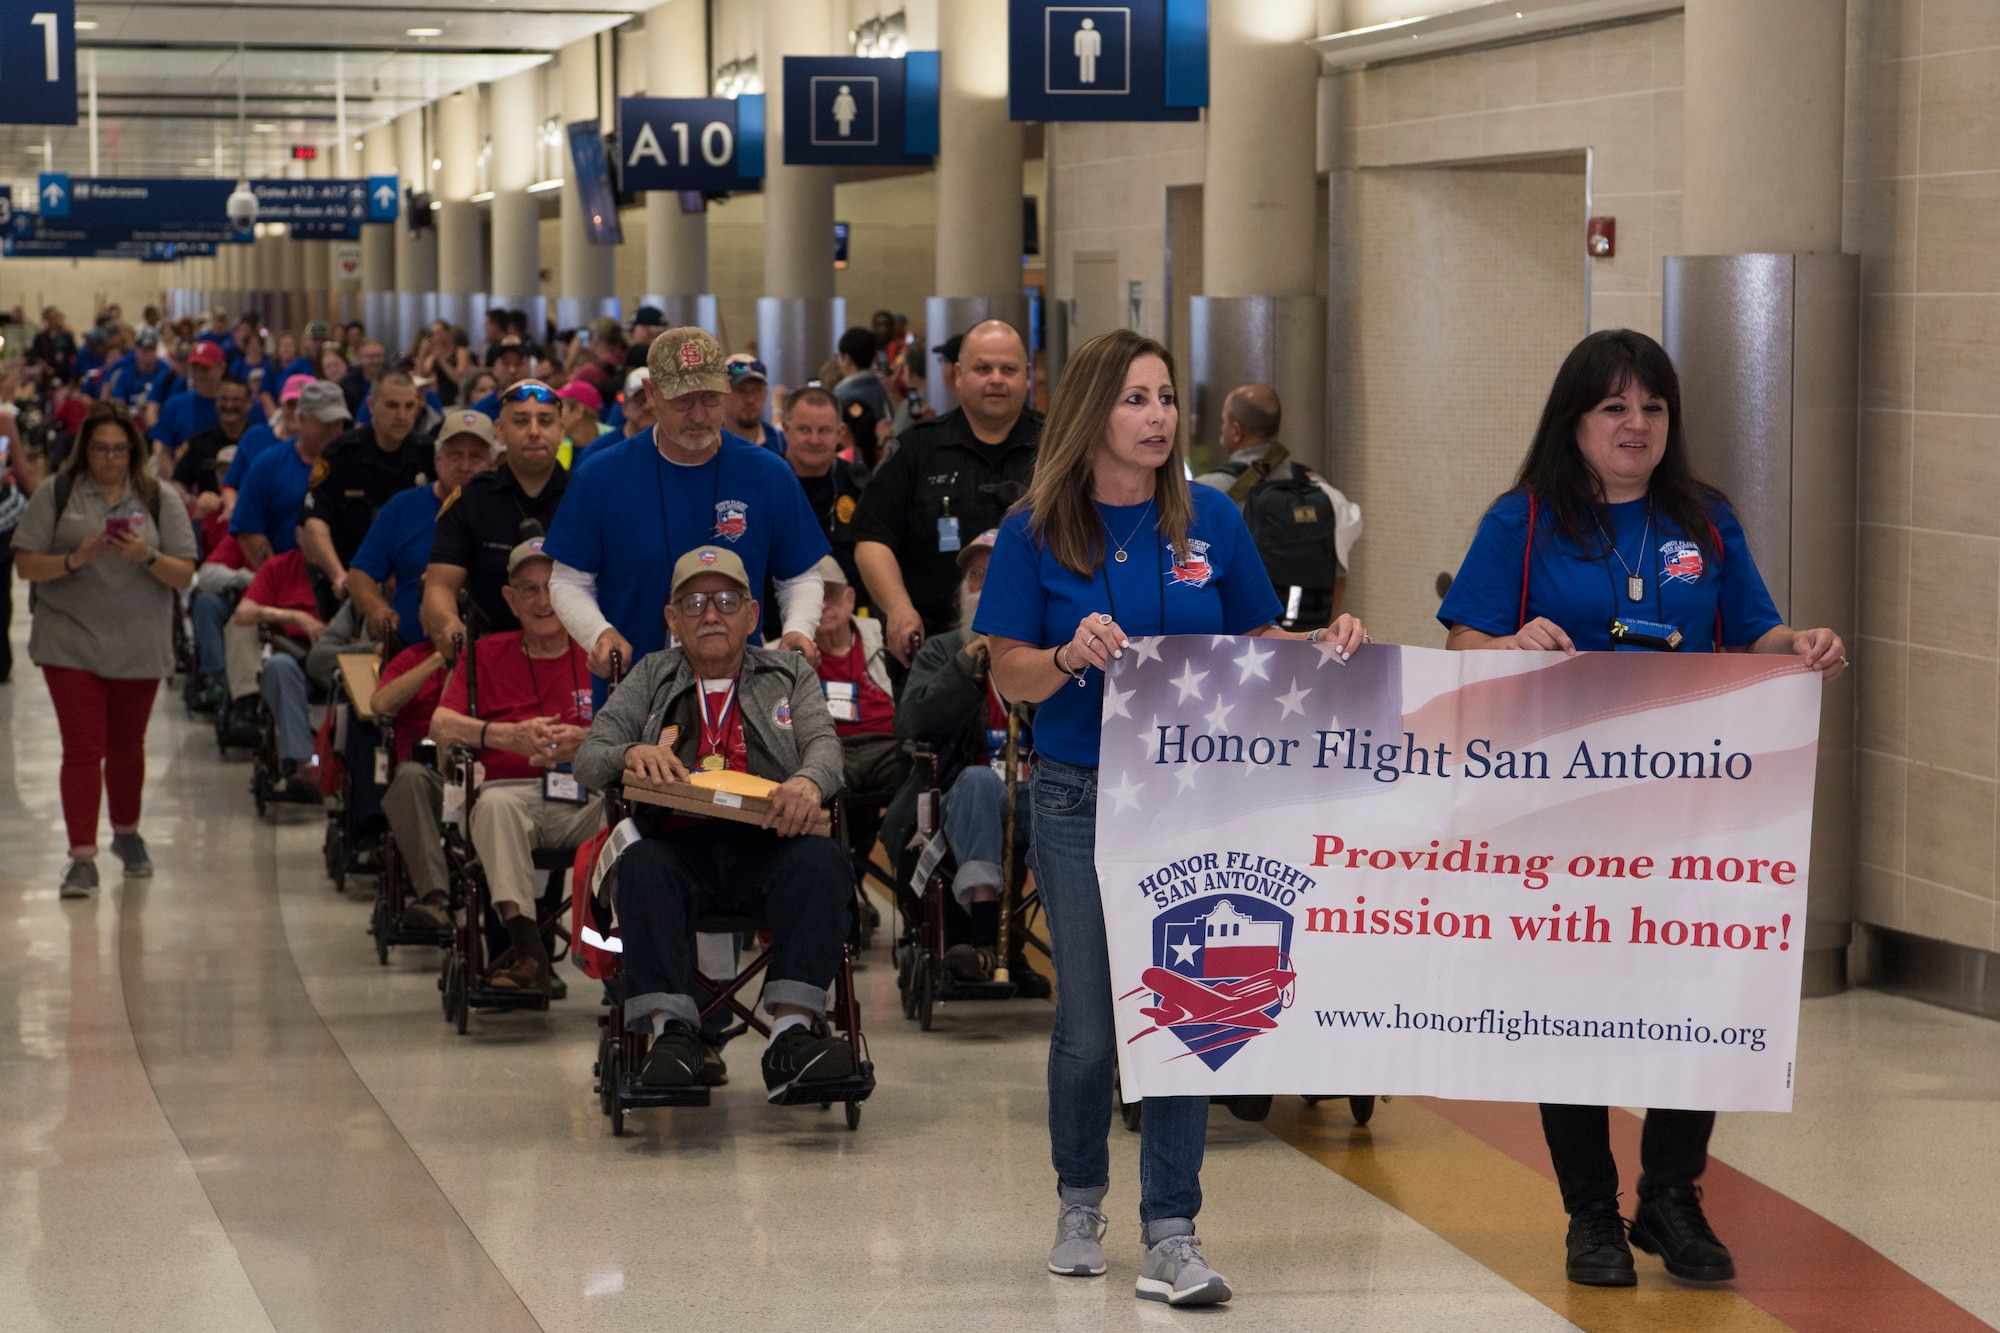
1028 983
714 1073
674 1061
1598 1254
971 963
1671 1225
801 1055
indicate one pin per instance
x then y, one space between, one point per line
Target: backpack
1292 522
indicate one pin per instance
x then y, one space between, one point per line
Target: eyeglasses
695 603
743 370
529 393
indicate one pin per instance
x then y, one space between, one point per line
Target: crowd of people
798 584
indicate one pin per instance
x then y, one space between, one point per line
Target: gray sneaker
131 849
79 879
1174 1271
1079 1251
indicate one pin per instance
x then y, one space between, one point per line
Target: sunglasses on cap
745 370
529 393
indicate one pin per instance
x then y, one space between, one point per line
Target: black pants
801 887
6 603
1673 1152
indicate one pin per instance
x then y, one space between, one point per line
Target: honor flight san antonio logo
1222 973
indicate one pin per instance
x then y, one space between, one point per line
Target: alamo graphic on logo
1221 974
732 519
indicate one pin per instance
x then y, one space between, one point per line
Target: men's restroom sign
1088 49
846 111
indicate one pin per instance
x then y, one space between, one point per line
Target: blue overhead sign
323 201
6 205
383 193
1142 60
845 111
37 62
684 143
52 194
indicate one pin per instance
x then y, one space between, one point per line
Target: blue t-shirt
226 341
258 377
1221 589
249 447
301 365
363 417
126 383
187 414
774 439
490 405
269 500
628 516
399 545
1580 590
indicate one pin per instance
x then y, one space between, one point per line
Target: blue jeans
1083 1050
284 686
209 613
975 826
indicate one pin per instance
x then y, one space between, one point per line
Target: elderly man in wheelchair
708 705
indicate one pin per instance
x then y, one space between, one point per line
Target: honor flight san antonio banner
1499 875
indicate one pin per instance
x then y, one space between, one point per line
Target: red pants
103 725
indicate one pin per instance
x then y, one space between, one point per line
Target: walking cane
1011 756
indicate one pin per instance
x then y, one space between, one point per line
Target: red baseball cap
206 354
577 391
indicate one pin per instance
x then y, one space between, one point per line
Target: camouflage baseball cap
686 360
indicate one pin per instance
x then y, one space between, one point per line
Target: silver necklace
1635 582
1130 536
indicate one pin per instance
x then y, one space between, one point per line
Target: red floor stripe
1790 1262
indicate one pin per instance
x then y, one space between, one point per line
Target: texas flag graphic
1221 974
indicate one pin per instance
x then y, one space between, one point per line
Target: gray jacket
785 723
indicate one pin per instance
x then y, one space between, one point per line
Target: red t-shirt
720 732
514 687
282 583
876 710
226 551
413 721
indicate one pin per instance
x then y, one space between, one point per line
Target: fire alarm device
1601 237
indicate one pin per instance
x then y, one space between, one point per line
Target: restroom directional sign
52 193
1140 60
382 197
855 111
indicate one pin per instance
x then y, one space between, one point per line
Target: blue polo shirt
490 405
1220 589
254 442
126 383
436 404
258 377
398 546
301 365
631 514
1581 589
187 414
268 502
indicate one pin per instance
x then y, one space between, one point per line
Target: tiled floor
217 1112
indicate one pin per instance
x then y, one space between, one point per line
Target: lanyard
1105 566
714 732
575 686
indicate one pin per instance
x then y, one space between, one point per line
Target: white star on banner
1150 737
1114 701
1293 702
1146 650
1125 794
1186 778
1184 952
1329 651
1252 663
1189 682
1217 640
1218 717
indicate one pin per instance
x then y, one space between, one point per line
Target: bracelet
66 565
1057 658
1312 636
482 734
151 558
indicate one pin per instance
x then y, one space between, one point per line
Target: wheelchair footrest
855 1088
495 997
631 1092
436 939
948 990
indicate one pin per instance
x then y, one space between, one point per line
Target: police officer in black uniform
495 511
947 481
359 472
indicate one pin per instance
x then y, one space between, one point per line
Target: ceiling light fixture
264 127
86 25
543 187
423 32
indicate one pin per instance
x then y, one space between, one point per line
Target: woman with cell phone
107 548
1608 541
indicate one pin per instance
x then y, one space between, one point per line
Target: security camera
242 208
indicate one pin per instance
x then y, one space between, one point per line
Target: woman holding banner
1609 540
1111 535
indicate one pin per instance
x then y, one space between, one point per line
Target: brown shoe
426 916
522 974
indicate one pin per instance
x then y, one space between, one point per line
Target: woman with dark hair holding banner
1608 540
1110 540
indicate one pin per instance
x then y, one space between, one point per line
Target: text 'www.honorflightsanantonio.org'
1517 1024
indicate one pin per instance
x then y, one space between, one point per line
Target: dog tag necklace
1635 579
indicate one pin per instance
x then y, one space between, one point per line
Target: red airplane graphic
1241 1003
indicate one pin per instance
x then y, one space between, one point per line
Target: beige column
676 242
378 241
416 250
1257 318
978 182
461 262
1762 126
798 316
589 272
316 257
514 115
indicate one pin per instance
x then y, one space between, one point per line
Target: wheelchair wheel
338 855
1252 1109
853 1116
378 926
614 1077
456 1010
260 789
1363 1109
926 980
906 979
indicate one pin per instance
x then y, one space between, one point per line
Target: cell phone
119 526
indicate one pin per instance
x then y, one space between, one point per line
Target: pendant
1635 588
713 763
1120 557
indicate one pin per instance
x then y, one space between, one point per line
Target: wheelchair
620 1052
393 886
345 849
472 953
930 913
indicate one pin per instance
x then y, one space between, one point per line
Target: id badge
560 784
381 766
454 799
841 702
948 533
